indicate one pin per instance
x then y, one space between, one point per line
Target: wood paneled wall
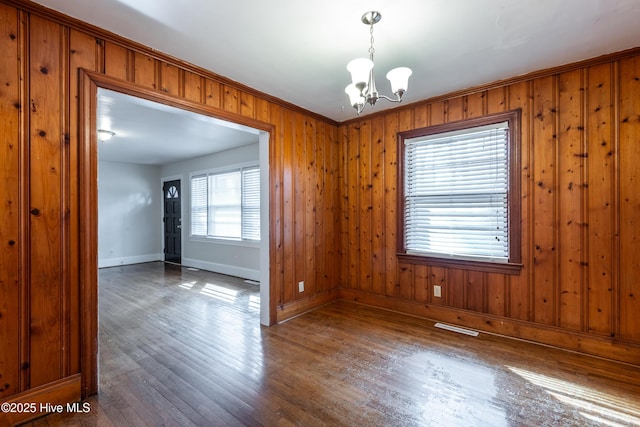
40 152
579 287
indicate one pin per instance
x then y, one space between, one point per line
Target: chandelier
362 90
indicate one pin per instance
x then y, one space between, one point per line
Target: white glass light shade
359 69
399 79
355 97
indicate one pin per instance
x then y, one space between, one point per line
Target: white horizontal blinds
199 205
456 193
225 205
251 203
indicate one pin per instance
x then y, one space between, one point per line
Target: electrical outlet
301 286
437 291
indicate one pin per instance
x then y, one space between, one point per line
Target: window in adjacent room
226 205
460 191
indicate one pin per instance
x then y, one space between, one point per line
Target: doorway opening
92 84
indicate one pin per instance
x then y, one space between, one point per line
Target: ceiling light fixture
105 135
362 90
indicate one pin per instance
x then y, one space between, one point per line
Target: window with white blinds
456 187
226 205
251 203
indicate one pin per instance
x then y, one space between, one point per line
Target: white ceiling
297 50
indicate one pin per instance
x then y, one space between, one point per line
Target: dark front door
172 222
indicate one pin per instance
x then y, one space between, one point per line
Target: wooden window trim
513 266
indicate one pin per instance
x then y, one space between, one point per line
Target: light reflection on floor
219 292
594 405
222 293
187 285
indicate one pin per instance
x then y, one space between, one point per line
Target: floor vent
456 329
192 269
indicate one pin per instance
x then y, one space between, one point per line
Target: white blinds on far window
251 203
199 205
226 205
456 187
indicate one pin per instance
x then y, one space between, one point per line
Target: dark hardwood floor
184 348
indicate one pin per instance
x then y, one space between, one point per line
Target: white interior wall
129 199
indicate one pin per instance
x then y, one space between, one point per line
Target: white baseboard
114 262
231 270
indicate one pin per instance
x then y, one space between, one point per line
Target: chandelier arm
397 99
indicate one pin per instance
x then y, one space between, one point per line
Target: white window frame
247 205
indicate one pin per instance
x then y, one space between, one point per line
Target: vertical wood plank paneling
46 59
88 53
496 100
455 295
170 80
277 176
288 208
475 291
390 165
629 212
299 202
420 116
365 206
145 71
475 105
193 87
496 294
311 177
377 206
455 109
118 61
406 284
343 182
247 105
519 286
353 201
600 201
570 197
213 93
422 290
544 198
319 202
262 111
10 180
438 112
230 99
333 188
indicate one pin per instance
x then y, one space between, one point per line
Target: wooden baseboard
35 402
607 348
296 308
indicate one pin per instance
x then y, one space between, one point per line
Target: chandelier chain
371 49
